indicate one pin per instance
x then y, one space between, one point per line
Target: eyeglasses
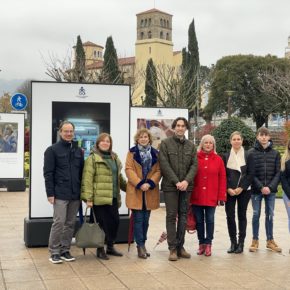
68 131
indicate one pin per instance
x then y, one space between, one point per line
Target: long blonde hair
286 156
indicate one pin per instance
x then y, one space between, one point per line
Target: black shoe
55 259
113 252
101 254
232 248
67 257
240 248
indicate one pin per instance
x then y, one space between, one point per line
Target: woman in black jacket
240 169
285 179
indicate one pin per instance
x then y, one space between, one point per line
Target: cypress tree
80 65
151 85
111 72
190 69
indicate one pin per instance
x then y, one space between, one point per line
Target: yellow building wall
161 52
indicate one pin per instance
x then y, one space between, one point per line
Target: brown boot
173 255
183 254
147 253
101 254
141 252
254 246
273 246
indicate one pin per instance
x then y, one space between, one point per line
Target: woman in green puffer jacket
101 184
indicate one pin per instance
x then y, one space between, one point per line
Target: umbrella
130 231
162 238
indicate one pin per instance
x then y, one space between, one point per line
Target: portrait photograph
8 137
90 119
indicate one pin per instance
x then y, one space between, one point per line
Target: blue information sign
18 101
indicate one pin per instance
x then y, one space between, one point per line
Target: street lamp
229 93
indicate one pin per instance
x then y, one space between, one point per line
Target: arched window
149 22
146 22
149 34
142 35
161 34
142 23
161 22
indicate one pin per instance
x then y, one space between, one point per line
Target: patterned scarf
146 159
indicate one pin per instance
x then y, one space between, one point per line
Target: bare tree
276 84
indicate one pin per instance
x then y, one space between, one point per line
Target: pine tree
190 70
80 65
111 72
151 85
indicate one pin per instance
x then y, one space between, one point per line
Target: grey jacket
178 162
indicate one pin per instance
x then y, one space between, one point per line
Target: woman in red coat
208 192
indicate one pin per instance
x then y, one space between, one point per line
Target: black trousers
108 218
242 200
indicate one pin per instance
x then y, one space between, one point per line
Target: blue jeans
287 206
269 214
204 216
141 224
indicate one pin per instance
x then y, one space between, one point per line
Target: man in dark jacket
264 185
63 165
178 165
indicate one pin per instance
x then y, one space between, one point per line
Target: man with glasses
63 166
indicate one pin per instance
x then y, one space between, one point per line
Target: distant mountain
9 86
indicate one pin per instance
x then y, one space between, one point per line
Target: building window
99 54
146 22
161 34
142 35
149 22
167 23
142 23
149 34
95 54
167 36
161 22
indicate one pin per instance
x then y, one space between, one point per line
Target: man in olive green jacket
178 164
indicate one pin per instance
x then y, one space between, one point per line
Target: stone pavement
29 268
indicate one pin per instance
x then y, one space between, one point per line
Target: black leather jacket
62 170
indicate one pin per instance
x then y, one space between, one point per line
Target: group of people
198 181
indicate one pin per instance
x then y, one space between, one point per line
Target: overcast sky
30 29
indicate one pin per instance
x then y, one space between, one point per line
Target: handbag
191 222
90 235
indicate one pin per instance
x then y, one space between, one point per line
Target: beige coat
134 174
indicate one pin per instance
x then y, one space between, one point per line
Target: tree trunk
260 121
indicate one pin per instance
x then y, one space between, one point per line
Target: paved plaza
29 268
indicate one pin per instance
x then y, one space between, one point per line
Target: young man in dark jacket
63 166
265 183
178 163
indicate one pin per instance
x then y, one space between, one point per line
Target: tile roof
89 43
121 62
152 11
